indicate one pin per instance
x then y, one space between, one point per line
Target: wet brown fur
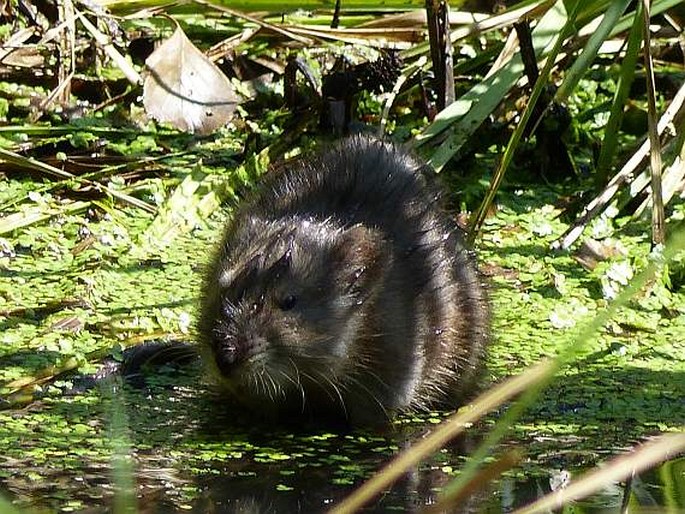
342 286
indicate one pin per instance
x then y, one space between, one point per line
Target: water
189 453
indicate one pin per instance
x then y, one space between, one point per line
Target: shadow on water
193 454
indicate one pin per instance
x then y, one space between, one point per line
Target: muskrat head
289 297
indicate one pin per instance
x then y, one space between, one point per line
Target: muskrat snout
227 356
232 351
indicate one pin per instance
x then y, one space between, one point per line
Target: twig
643 457
28 162
105 42
625 175
658 229
401 80
270 26
478 218
437 17
486 476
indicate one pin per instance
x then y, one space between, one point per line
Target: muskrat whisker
276 388
288 378
313 380
371 395
297 382
262 376
369 372
336 390
293 365
255 378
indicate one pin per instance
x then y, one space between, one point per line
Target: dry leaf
592 252
186 89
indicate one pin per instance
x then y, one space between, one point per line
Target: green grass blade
641 458
33 215
587 56
497 178
657 7
437 439
41 167
123 472
574 346
610 140
465 115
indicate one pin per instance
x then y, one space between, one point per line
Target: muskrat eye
288 302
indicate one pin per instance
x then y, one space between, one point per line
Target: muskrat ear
359 256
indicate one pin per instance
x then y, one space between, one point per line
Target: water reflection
190 455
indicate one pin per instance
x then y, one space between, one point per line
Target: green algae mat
107 221
79 287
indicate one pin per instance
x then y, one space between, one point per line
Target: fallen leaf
591 252
186 89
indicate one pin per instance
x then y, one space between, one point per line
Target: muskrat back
341 286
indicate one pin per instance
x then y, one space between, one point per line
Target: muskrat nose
232 352
227 356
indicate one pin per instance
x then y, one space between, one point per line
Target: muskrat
342 286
